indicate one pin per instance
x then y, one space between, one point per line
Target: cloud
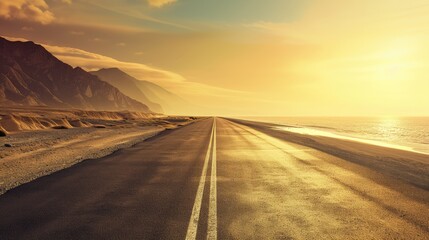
207 97
160 3
93 61
172 81
29 10
133 13
25 28
80 33
15 39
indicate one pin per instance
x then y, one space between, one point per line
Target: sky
247 57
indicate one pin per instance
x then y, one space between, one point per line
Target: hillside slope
170 103
31 76
127 84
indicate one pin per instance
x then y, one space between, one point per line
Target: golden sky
248 57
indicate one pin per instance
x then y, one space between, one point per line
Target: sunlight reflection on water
407 133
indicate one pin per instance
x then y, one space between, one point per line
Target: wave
315 132
322 127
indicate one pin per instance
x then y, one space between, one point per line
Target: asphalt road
214 179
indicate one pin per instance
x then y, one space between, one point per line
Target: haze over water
399 132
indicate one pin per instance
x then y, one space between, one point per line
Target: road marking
191 234
212 221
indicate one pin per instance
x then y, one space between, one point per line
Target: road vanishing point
213 179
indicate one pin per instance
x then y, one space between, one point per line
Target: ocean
407 133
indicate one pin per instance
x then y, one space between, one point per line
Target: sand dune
13 119
45 140
18 123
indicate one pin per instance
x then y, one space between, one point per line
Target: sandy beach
42 141
407 166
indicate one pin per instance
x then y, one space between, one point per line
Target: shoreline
314 131
299 125
410 167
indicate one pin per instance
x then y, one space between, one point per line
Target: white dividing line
212 221
191 234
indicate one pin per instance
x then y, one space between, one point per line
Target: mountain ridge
126 84
170 102
31 76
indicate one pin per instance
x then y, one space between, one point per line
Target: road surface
214 179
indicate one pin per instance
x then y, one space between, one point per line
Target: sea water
407 133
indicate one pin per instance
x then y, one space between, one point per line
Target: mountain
30 75
170 103
126 84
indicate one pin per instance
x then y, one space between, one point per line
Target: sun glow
395 63
333 57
